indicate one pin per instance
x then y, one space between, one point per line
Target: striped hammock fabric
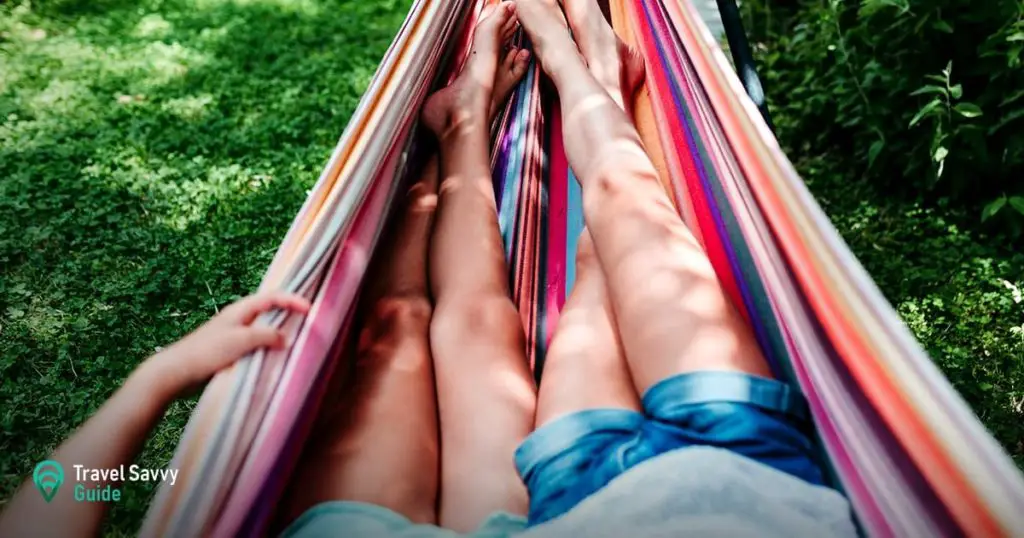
898 440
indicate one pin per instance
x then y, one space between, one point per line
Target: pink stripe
558 197
337 297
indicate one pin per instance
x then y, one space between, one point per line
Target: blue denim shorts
571 458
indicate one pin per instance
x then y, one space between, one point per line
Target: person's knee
586 256
469 316
400 315
395 321
616 181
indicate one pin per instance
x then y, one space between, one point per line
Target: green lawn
153 153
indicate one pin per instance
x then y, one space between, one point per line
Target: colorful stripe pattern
249 421
538 209
905 447
900 442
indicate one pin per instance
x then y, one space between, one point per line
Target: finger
245 340
248 309
228 346
276 300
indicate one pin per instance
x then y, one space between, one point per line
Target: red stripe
663 98
558 192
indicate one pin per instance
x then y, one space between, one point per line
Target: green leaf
874 150
1013 97
942 26
870 7
1019 36
936 78
940 154
1011 117
925 110
956 91
968 110
929 88
1017 202
992 208
1014 54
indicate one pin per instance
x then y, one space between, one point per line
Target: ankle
588 23
462 126
465 113
566 67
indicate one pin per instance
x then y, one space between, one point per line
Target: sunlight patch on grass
59 97
66 63
166 62
153 26
305 7
176 197
189 108
153 153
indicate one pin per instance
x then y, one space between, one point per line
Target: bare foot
549 33
510 72
618 68
467 102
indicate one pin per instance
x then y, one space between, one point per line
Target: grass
153 152
152 155
959 290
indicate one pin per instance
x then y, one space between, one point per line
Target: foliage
152 155
905 119
959 291
923 97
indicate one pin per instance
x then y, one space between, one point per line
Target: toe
501 15
520 62
508 31
509 60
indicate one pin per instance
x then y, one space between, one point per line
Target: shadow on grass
152 159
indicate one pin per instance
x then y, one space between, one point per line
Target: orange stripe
643 113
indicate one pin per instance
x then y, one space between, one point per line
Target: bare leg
376 441
486 395
672 314
585 367
616 67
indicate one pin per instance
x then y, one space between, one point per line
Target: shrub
922 98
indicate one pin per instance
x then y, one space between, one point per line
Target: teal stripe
573 229
514 175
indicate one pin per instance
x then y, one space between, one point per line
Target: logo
48 476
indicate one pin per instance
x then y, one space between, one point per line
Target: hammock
898 440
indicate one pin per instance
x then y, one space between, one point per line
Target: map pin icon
48 477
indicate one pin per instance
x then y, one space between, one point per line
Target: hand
229 336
